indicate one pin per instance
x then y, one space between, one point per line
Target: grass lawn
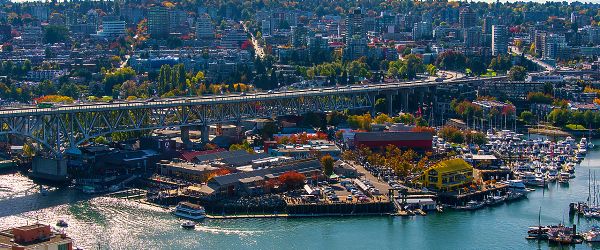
575 127
489 73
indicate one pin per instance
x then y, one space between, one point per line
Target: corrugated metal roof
300 167
392 136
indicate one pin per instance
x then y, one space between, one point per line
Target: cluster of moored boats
548 162
560 234
492 200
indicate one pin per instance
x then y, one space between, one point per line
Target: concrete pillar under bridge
390 103
204 134
373 98
185 136
404 95
49 169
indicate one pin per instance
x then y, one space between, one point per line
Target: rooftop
451 165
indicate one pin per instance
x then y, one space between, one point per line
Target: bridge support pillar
390 102
204 134
373 98
404 96
185 136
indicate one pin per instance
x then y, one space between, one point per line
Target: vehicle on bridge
45 105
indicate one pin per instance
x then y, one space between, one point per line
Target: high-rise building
266 27
539 42
555 46
158 22
488 21
299 34
354 24
177 20
422 30
499 40
112 29
467 18
204 27
472 37
356 47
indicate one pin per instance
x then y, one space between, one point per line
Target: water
111 223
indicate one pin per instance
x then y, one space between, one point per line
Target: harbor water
113 223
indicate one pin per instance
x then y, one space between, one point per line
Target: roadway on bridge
452 77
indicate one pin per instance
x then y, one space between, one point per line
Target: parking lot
347 190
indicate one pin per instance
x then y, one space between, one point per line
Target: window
63 246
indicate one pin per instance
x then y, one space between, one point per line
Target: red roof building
418 141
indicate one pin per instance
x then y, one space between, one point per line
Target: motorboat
593 235
517 186
471 205
189 211
62 223
531 179
495 199
188 225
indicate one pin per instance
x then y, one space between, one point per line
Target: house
36 236
447 175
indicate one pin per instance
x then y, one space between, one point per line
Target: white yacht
190 211
531 179
517 186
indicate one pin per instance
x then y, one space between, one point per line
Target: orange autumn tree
55 99
292 180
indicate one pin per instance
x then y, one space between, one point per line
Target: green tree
327 162
517 73
451 60
55 34
527 117
101 140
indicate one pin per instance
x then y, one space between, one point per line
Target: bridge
60 129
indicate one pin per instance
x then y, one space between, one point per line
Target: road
547 67
258 49
231 98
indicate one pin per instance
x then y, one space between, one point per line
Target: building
36 236
472 37
513 91
158 22
467 18
356 47
254 182
499 40
555 47
112 29
355 24
422 30
204 27
299 36
185 170
488 21
540 42
266 27
45 74
421 141
233 39
447 176
319 147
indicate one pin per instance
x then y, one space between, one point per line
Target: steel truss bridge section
61 129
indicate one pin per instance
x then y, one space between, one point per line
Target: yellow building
447 175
